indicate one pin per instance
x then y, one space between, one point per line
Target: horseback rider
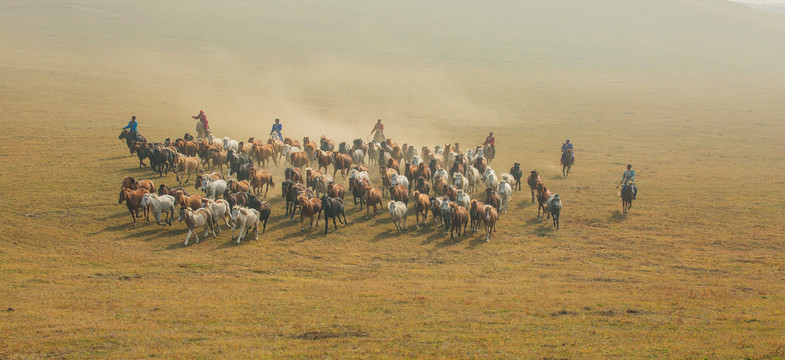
277 127
490 140
379 126
628 179
132 128
567 146
203 120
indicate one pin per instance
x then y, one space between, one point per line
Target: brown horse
460 216
341 162
543 193
475 214
422 185
133 199
450 190
357 187
260 178
309 208
165 190
131 142
423 170
263 153
394 164
399 193
299 159
239 186
480 164
217 157
533 180
493 198
422 203
294 174
186 165
293 143
323 159
134 184
194 201
490 217
372 197
335 190
188 148
277 146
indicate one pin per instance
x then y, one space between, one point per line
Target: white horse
320 185
460 181
243 218
473 175
491 180
287 151
505 191
400 180
440 174
416 160
358 157
463 199
194 219
398 213
359 175
215 141
158 205
212 188
373 152
230 144
221 210
554 208
508 178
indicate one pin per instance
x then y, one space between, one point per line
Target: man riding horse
567 148
378 132
628 179
276 131
491 141
132 125
202 129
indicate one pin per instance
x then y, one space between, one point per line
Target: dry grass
694 270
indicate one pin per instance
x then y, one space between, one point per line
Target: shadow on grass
117 158
618 216
393 232
535 221
474 243
559 177
525 204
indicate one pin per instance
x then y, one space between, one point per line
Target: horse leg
188 237
417 219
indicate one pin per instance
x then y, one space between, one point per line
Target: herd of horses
438 182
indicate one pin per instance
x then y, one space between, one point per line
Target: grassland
695 270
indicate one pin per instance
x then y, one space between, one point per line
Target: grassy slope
694 270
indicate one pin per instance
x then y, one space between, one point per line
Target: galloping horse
566 162
378 136
489 152
533 180
626 197
131 142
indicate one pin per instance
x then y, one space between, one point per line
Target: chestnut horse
422 203
194 201
490 217
533 180
260 178
309 208
133 199
323 159
543 193
134 184
341 162
460 216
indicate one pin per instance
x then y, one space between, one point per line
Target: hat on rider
201 111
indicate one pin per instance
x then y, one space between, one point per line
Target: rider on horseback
277 127
132 128
380 127
490 140
203 121
628 179
567 146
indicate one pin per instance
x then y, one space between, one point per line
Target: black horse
566 162
333 208
262 207
627 195
516 173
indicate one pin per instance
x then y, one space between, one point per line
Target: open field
688 91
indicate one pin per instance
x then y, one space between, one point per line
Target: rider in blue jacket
132 127
277 127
